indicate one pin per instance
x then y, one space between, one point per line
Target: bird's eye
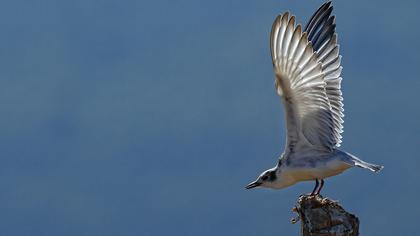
265 177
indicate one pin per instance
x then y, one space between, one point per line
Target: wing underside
321 33
307 78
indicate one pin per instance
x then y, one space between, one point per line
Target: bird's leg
320 187
316 186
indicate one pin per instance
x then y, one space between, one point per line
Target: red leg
320 187
316 186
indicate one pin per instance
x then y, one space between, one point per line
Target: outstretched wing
321 33
301 84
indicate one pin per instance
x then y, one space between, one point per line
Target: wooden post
323 217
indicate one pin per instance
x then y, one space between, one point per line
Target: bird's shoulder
305 156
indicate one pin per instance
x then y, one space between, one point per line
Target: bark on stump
323 217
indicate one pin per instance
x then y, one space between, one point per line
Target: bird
307 69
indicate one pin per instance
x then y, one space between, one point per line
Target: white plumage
308 79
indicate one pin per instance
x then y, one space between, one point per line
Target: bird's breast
318 170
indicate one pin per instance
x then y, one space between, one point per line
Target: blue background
149 117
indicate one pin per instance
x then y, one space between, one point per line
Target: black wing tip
324 11
321 26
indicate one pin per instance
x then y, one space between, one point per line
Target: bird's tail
371 167
359 163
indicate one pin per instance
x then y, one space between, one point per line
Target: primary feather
321 33
307 69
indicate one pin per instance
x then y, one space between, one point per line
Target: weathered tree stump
323 217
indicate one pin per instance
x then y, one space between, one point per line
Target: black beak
253 185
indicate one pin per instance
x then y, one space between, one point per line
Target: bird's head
267 179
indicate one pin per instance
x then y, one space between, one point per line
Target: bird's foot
312 195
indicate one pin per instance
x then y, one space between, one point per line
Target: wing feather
321 33
307 65
301 84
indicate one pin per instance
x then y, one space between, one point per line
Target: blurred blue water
149 117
